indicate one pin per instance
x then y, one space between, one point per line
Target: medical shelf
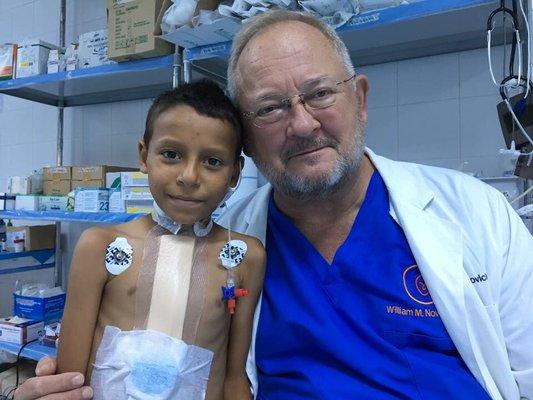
420 28
34 351
66 216
132 80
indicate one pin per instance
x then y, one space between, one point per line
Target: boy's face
190 162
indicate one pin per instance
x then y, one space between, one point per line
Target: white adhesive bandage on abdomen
171 285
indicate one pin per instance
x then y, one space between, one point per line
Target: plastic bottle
2 230
18 245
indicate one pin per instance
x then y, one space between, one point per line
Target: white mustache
307 144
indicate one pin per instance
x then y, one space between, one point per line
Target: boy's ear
143 154
239 165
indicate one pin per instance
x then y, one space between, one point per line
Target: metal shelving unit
68 216
420 28
131 80
34 351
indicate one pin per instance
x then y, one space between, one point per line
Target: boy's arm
87 279
236 385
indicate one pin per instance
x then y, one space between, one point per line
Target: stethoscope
512 81
490 27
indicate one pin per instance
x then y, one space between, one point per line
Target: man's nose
301 121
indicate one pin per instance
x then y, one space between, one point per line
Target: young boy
191 153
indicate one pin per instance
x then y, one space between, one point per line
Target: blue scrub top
364 327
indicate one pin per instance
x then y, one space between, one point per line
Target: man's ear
237 169
143 155
361 93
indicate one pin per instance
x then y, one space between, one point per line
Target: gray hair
262 21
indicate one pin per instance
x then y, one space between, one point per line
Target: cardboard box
136 193
96 172
32 57
57 173
8 61
27 203
47 309
92 49
94 176
91 200
95 184
39 237
19 330
131 25
56 188
56 181
136 178
53 203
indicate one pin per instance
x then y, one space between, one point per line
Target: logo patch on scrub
415 287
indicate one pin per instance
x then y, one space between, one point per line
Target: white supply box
91 200
53 203
32 184
27 203
134 178
136 193
19 330
56 62
19 185
112 180
71 57
116 203
92 50
139 206
32 57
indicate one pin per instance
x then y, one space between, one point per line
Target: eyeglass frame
287 104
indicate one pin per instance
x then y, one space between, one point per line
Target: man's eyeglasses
322 96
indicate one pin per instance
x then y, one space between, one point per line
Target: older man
385 280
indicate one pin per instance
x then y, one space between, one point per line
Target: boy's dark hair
205 97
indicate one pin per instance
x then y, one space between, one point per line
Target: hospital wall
437 110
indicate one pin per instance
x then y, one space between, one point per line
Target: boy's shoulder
99 237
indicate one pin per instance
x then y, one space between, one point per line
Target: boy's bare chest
125 295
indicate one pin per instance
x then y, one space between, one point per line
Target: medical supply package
19 330
92 49
32 57
149 365
8 60
131 26
46 305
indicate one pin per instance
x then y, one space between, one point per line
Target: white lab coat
457 228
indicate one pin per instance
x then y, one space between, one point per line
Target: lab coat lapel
437 245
